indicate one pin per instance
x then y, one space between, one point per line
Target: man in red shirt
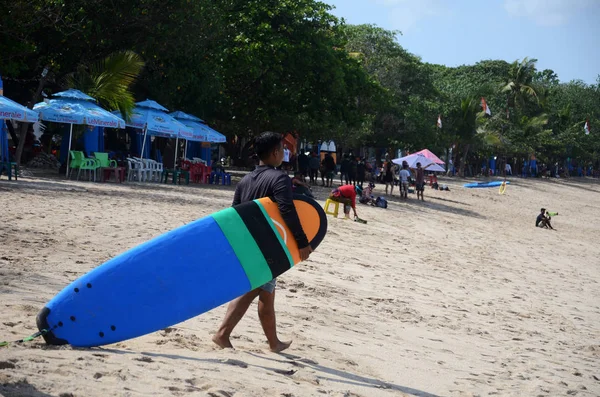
346 195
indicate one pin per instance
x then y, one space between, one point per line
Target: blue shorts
270 286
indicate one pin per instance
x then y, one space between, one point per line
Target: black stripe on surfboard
314 243
265 237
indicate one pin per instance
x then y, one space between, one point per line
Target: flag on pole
485 106
586 127
439 122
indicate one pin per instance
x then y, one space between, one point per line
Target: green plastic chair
177 174
8 167
104 161
77 159
90 165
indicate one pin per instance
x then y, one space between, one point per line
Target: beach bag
381 202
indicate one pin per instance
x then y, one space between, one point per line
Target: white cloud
547 12
405 14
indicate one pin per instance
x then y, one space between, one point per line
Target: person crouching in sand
346 195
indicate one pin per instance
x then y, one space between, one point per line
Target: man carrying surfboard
265 181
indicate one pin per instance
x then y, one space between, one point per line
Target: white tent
426 163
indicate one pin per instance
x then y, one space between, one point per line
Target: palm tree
520 85
109 80
470 117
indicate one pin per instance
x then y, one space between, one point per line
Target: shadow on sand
431 203
296 361
21 389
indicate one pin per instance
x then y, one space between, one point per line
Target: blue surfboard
180 274
485 184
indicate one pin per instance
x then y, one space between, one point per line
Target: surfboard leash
26 339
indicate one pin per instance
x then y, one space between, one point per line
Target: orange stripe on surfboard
309 218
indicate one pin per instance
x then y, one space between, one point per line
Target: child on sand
404 177
367 195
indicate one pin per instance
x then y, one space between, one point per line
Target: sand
457 296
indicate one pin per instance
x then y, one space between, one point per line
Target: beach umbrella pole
176 152
69 151
144 142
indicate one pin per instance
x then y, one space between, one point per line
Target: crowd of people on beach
358 172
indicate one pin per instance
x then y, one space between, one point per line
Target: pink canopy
430 156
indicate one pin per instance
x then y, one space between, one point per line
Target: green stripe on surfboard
268 218
250 256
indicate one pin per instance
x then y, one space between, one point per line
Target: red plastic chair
207 172
186 165
196 173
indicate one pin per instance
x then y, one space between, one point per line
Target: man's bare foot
222 341
281 346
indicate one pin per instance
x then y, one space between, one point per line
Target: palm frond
109 80
529 90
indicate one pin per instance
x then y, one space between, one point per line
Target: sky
563 35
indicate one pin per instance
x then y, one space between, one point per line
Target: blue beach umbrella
179 115
75 107
152 117
214 136
11 110
200 128
202 132
195 124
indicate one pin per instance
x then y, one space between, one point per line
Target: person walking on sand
388 178
404 178
265 181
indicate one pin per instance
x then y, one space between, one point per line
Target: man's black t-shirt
266 181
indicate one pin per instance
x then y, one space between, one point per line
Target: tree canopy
290 65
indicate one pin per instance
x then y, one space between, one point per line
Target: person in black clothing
303 167
314 164
265 181
168 156
542 220
345 170
352 170
361 171
327 170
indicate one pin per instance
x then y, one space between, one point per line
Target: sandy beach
457 296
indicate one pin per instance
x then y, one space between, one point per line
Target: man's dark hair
266 143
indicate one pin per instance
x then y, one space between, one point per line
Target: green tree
521 86
109 81
407 89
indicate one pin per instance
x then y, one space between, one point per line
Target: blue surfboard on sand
485 184
180 274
